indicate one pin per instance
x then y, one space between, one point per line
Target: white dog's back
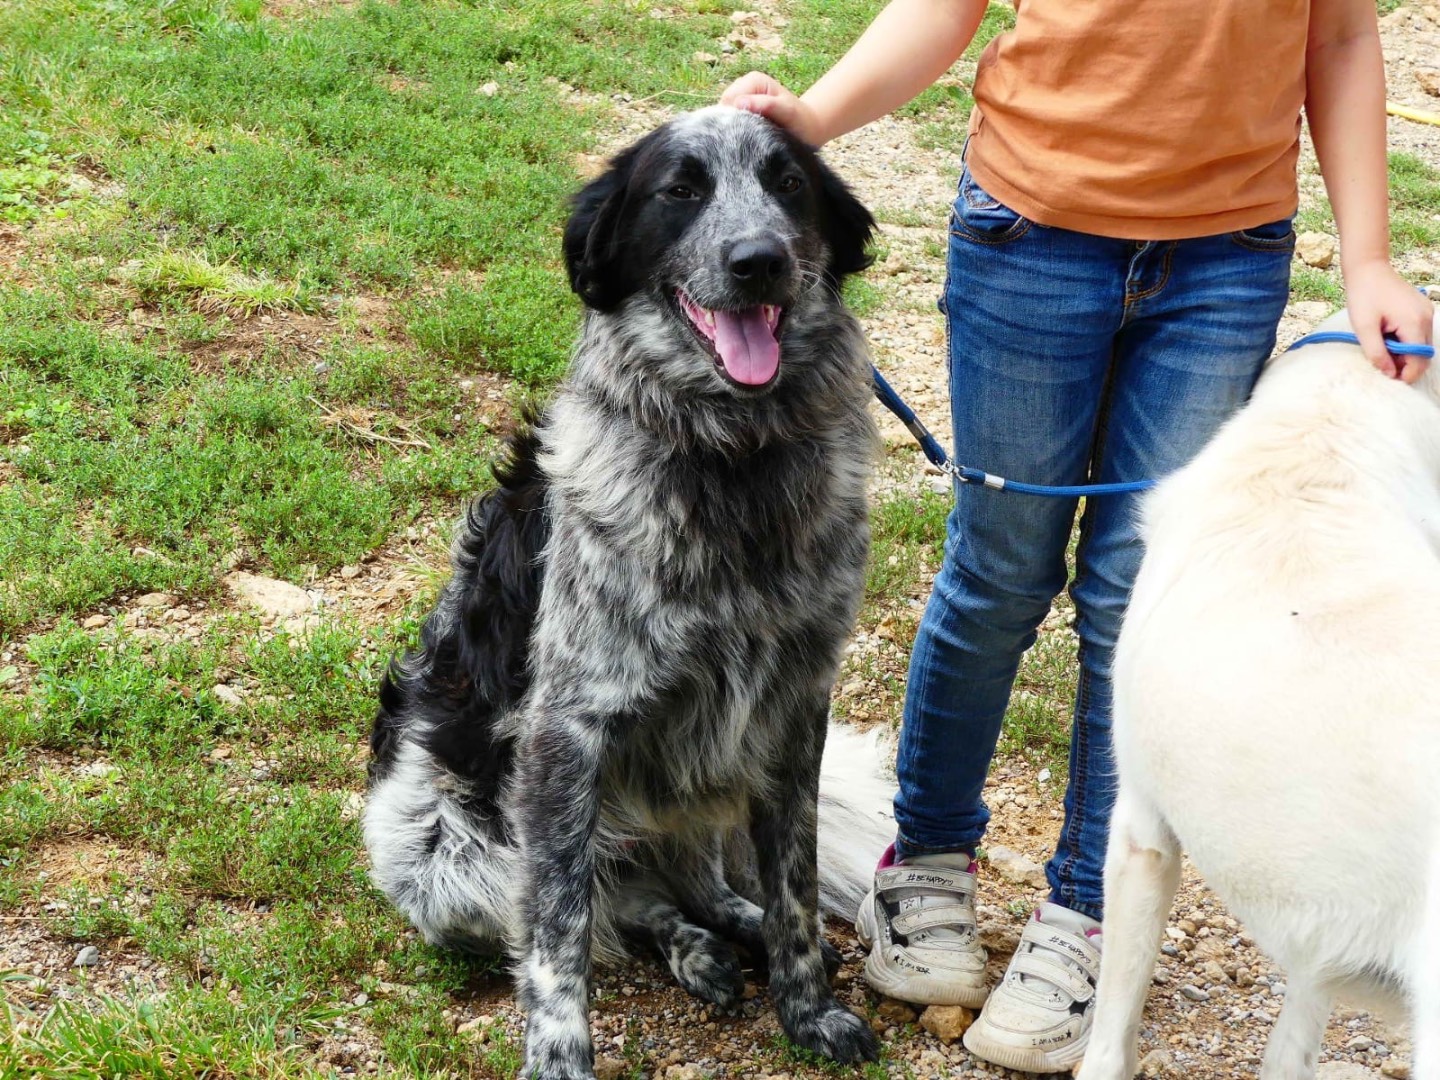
1277 688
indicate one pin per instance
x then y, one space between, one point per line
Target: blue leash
1341 337
965 474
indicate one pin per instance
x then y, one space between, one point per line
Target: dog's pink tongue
747 345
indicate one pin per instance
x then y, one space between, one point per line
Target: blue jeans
1073 359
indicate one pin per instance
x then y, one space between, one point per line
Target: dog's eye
681 191
789 185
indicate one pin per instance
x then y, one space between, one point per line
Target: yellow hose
1420 116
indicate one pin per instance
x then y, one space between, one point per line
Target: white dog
1277 706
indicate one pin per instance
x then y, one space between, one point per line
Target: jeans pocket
979 216
1272 236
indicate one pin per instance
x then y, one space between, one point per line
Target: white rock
268 595
1215 973
95 622
227 695
1016 868
947 1022
1157 1063
156 600
490 89
1316 249
89 956
353 806
478 1026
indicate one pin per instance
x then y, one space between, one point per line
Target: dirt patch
14 249
240 342
295 9
90 861
379 588
247 340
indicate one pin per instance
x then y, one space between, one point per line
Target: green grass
188 1034
353 149
118 445
194 279
1307 283
1414 203
34 184
907 535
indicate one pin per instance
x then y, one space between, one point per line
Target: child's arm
910 44
1345 104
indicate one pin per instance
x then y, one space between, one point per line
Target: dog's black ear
594 246
848 225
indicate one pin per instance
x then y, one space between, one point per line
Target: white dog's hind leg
1142 872
1425 978
1294 1045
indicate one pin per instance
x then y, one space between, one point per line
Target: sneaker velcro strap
951 916
1046 966
925 877
1073 946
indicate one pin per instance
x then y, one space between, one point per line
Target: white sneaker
919 924
1039 1017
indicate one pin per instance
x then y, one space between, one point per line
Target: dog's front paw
1097 1064
547 1065
836 1033
552 1054
710 970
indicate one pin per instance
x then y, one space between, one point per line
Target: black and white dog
631 667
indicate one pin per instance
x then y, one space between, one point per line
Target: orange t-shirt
1146 120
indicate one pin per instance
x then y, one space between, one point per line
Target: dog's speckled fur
633 661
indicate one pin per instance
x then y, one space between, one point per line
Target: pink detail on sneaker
1094 931
887 859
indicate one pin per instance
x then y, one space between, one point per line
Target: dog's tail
857 823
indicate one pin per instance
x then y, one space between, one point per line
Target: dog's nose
758 262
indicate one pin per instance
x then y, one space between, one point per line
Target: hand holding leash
1383 304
